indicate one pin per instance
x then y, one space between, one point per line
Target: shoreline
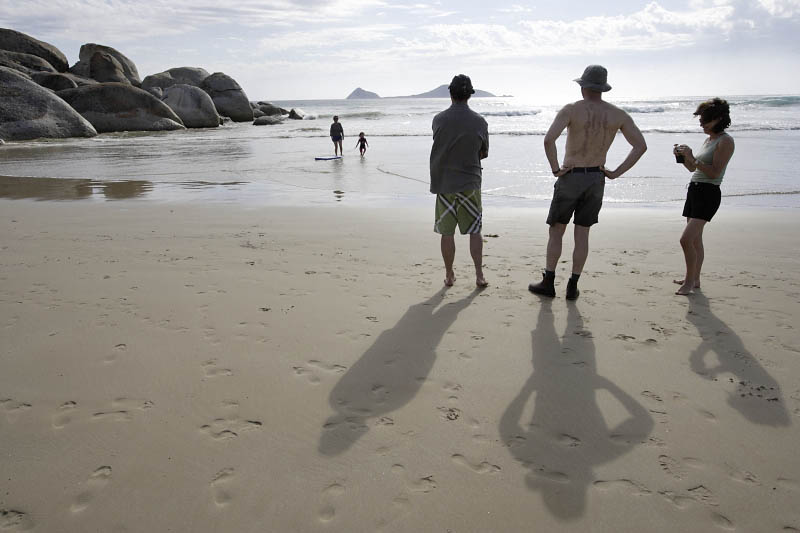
37 189
227 367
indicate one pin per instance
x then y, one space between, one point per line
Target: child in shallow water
362 143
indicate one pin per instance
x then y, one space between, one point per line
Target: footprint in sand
99 479
546 473
64 414
479 468
742 476
678 500
708 415
652 396
213 371
329 494
722 522
116 352
704 495
423 485
224 429
122 409
13 409
671 466
219 486
12 520
315 368
452 389
568 441
634 488
231 426
450 413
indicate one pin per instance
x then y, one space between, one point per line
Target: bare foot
449 280
685 289
481 282
682 282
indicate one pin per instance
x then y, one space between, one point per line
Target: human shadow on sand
567 436
757 396
390 373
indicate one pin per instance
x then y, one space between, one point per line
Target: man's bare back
591 129
592 125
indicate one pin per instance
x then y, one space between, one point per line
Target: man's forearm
633 156
551 152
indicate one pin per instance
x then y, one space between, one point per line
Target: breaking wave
511 113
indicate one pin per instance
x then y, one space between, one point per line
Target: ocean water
274 165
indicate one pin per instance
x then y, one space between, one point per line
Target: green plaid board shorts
460 208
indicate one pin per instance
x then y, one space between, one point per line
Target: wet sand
176 367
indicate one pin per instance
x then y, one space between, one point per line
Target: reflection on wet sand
20 188
120 190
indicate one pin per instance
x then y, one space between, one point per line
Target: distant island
440 92
360 93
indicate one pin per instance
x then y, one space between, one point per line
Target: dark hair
713 109
461 88
460 94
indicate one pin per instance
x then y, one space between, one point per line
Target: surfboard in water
327 157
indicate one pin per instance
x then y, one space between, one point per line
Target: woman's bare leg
691 243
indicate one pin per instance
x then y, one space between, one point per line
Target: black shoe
572 290
544 287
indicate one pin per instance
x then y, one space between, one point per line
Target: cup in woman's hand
678 155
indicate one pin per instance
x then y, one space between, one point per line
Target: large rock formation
267 120
121 107
228 96
58 81
105 68
269 109
84 66
54 81
193 105
14 41
168 78
27 63
28 111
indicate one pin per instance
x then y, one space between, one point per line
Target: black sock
575 277
549 274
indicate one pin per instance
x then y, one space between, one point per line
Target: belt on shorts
585 170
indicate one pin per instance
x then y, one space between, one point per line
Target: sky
317 49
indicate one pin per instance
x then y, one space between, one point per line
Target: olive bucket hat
595 78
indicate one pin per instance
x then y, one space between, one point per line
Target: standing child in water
362 143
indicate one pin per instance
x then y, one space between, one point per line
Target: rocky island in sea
440 92
361 94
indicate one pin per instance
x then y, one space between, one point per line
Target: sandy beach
203 368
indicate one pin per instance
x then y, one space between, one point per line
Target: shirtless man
591 125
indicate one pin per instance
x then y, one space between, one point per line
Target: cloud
132 20
781 8
334 37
